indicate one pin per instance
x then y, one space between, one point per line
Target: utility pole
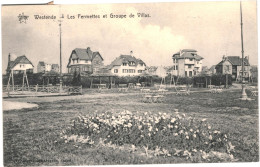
60 61
243 95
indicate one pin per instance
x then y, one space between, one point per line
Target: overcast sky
212 28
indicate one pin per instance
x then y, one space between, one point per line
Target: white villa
187 63
127 65
19 65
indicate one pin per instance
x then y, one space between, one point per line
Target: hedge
85 80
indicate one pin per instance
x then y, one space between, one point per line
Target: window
131 71
132 63
124 64
115 70
176 67
140 71
173 67
125 71
198 62
189 66
141 64
191 59
190 73
186 73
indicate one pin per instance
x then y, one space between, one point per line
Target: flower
140 127
187 137
203 119
210 137
194 150
209 127
150 128
194 135
175 134
191 130
216 131
173 120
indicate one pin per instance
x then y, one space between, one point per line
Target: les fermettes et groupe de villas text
92 16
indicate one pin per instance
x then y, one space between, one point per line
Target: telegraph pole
60 61
243 95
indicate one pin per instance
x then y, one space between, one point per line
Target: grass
32 137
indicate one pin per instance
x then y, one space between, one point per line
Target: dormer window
132 63
124 64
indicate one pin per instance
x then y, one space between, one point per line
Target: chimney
224 57
9 58
131 53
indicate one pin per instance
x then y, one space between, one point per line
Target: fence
43 89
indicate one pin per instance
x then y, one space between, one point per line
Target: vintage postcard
136 83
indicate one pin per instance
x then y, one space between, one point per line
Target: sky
211 28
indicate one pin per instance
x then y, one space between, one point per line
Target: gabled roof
204 68
187 53
54 65
41 63
235 60
84 54
170 68
152 69
125 59
19 60
212 68
95 54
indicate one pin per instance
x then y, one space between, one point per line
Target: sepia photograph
130 83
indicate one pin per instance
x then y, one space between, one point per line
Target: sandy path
11 105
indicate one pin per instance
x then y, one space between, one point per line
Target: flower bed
164 134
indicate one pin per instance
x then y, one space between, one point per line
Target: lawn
33 137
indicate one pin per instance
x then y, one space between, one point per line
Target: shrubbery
85 80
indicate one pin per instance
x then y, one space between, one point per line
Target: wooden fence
43 89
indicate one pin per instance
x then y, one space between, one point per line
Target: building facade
186 63
43 67
127 65
233 65
19 65
84 61
159 71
